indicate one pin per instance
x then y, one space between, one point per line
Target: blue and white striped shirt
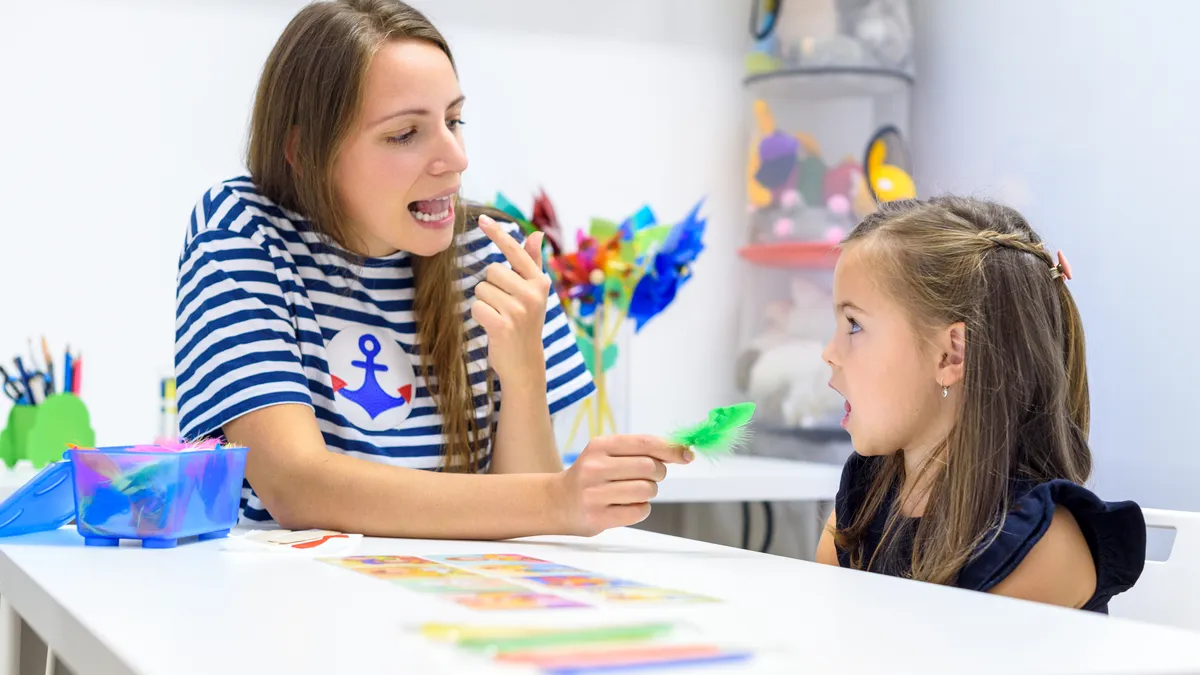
269 312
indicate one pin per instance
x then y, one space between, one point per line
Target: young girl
342 314
960 354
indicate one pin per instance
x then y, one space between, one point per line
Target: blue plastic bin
156 497
119 493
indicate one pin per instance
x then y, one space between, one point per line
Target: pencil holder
42 432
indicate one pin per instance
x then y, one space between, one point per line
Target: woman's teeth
431 210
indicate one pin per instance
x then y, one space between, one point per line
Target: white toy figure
782 369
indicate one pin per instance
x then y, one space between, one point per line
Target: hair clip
1062 269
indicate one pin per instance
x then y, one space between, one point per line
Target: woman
345 316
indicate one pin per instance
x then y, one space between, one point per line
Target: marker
77 376
25 380
68 373
50 388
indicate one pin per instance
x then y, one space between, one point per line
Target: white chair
1168 592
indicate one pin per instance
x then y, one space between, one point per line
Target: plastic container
827 144
130 493
845 35
157 497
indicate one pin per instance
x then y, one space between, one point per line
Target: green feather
722 433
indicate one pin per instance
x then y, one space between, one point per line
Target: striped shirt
270 312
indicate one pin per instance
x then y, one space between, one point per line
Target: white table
730 479
197 610
750 479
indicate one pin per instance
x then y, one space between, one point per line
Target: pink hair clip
1063 267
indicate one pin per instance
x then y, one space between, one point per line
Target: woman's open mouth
433 213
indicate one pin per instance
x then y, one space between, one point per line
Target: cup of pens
46 416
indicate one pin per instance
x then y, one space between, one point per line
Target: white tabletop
197 610
750 479
730 479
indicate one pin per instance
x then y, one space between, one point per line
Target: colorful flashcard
580 581
646 594
604 648
461 585
484 558
377 560
507 581
515 601
525 569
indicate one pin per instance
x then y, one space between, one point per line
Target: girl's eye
854 327
454 124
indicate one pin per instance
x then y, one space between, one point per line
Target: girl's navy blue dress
1115 532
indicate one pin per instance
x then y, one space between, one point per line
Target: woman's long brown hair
1024 404
309 98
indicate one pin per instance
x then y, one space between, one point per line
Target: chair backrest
1168 592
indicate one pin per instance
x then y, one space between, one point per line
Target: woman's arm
511 306
525 440
305 486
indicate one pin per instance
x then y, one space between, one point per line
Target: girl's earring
945 390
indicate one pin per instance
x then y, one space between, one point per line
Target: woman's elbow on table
285 444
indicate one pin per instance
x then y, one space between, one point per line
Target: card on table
646 594
507 581
461 585
525 569
484 558
377 560
515 601
585 580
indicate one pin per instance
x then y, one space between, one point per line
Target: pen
68 372
50 388
25 380
77 376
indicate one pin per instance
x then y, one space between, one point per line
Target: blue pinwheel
670 270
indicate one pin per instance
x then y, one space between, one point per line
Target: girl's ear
952 343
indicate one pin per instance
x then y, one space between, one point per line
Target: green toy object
723 432
41 433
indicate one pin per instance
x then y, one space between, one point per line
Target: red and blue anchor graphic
370 396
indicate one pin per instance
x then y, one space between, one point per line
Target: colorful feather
721 433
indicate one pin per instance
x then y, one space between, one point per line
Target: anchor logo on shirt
370 395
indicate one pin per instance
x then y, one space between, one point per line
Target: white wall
118 114
1083 114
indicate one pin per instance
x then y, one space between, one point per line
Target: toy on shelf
158 494
781 369
830 34
794 194
632 270
887 165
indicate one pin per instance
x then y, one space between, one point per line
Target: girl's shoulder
1115 533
